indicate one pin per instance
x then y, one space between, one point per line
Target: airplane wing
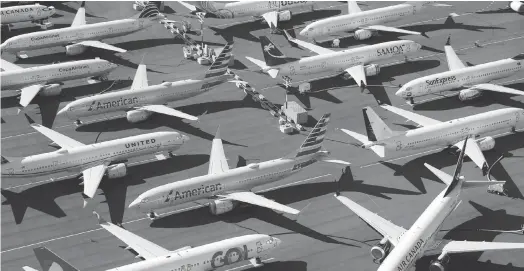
454 62
92 177
271 19
101 45
497 88
383 226
162 109
443 176
140 80
80 17
451 247
29 93
312 47
390 29
358 74
474 153
217 158
419 119
60 139
378 149
8 66
252 198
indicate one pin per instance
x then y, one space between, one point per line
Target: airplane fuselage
248 8
25 13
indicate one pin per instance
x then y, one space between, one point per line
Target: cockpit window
409 88
310 29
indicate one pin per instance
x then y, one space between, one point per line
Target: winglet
448 42
217 134
456 176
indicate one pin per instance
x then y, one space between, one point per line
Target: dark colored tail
376 128
4 160
221 63
518 57
49 261
272 55
458 169
149 11
313 142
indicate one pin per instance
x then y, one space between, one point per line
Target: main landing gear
78 123
152 215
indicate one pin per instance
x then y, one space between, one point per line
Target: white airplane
80 36
47 80
36 13
420 240
141 100
227 187
517 6
355 62
434 133
365 23
93 160
472 80
271 11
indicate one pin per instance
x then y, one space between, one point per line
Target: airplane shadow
282 266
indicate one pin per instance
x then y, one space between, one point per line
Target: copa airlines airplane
355 62
36 13
47 80
517 6
472 80
420 240
93 160
141 100
436 133
80 36
252 248
227 187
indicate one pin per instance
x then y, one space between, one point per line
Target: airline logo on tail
313 142
273 51
149 11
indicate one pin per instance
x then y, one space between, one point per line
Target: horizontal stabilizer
377 149
474 184
257 62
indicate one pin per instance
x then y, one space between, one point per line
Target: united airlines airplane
80 36
47 80
401 248
471 81
434 133
36 13
227 187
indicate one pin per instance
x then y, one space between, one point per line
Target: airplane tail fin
80 16
457 179
220 66
50 261
376 128
149 11
353 7
313 142
272 55
518 57
4 160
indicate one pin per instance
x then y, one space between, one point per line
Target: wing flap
390 29
358 74
162 109
312 47
60 139
101 45
254 199
217 158
419 119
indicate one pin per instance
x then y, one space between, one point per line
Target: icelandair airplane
141 100
79 36
420 240
93 160
47 80
227 187
472 80
436 133
36 13
355 62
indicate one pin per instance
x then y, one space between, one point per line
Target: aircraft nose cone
135 204
400 93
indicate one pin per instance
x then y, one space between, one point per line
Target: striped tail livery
313 142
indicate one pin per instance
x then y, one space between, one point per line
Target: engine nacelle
284 16
372 69
363 34
116 171
469 94
486 143
135 116
439 265
75 49
218 207
381 250
51 90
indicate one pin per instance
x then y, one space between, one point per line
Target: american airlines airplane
401 248
36 13
227 187
142 100
80 36
434 133
93 160
472 80
47 80
355 62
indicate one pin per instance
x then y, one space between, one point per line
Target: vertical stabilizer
50 261
80 17
221 63
454 62
456 176
376 128
353 7
313 142
272 55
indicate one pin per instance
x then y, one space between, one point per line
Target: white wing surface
162 109
271 19
419 119
29 93
92 177
217 158
497 88
8 66
312 47
390 29
140 80
454 62
451 247
101 45
60 139
474 153
378 149
252 198
358 74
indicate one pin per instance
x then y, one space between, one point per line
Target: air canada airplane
47 80
434 133
36 13
227 187
80 35
142 100
471 80
356 62
401 248
93 160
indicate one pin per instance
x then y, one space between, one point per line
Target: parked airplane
420 240
38 14
517 6
436 133
227 187
47 80
271 11
79 36
472 80
365 23
93 160
355 62
141 100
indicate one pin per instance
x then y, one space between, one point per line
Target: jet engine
439 265
116 171
486 143
135 116
284 16
75 49
51 90
469 94
218 207
371 70
363 34
381 250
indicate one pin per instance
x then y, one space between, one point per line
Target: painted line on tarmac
246 265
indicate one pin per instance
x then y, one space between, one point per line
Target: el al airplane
252 248
141 100
227 187
47 80
517 6
365 23
436 133
355 62
27 13
420 240
80 36
271 11
472 80
93 160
